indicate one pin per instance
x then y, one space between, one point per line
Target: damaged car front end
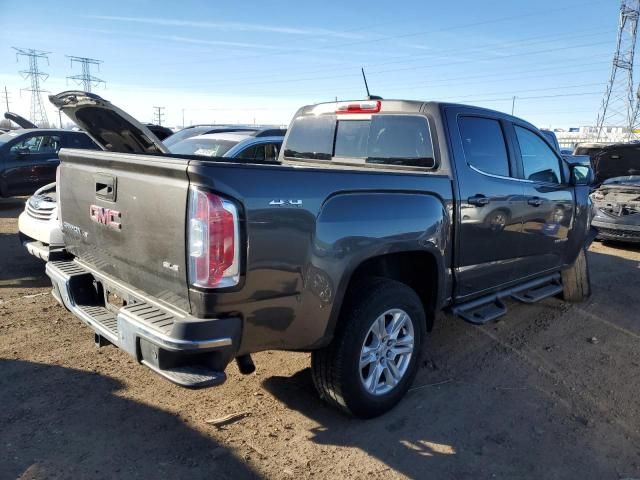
616 207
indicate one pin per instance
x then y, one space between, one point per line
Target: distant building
589 134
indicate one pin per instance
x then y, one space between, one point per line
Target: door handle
535 201
478 200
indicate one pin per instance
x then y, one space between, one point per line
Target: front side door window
539 161
37 145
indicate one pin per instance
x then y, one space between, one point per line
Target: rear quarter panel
299 258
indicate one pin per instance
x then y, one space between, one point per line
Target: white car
39 229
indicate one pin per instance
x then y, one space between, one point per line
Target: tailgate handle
105 187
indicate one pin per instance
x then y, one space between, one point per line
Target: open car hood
110 127
19 120
616 160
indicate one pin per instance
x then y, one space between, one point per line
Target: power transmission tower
6 97
38 114
620 103
158 114
85 78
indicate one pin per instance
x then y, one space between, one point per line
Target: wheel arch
422 270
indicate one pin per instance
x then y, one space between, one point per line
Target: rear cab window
396 140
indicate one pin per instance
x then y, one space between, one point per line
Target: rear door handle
478 200
535 201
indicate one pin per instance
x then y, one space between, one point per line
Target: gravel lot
551 391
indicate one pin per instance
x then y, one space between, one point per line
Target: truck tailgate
125 216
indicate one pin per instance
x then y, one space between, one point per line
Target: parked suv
29 157
347 248
251 146
195 130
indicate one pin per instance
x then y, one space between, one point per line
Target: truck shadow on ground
72 424
488 403
18 269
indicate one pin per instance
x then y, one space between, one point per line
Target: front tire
576 284
373 358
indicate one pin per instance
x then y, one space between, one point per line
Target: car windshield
186 133
7 137
206 147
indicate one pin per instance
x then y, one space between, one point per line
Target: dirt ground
551 391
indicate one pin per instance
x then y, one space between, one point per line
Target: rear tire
576 284
365 336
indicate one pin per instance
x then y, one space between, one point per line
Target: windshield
206 147
184 134
7 137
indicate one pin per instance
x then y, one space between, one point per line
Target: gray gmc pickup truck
378 214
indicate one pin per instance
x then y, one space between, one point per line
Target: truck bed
301 230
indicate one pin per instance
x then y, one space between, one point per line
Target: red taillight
359 107
213 240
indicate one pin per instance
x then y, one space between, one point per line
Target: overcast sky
260 61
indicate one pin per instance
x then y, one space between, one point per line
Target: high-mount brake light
359 107
213 240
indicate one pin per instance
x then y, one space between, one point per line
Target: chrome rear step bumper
189 351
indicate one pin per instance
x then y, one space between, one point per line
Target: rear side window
260 153
403 140
484 145
79 141
539 162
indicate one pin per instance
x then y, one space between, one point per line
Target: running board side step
491 307
536 294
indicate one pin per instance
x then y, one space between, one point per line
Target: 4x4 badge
285 203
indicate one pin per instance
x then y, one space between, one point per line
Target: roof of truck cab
410 106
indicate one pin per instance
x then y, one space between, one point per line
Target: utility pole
183 118
158 115
38 114
513 104
6 98
85 78
620 102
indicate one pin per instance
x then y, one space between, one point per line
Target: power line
86 79
412 59
158 115
38 114
544 12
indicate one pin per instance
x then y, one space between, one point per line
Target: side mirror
581 175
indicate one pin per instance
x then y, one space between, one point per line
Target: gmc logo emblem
105 216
